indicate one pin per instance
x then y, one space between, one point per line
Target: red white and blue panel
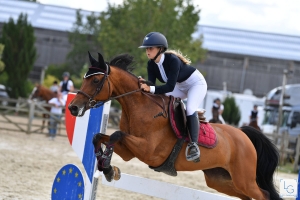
81 131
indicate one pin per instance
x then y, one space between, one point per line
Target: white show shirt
57 110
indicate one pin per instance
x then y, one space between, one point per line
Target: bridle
95 104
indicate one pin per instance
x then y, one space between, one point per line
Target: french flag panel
81 130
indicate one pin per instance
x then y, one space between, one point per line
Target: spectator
217 110
66 85
220 110
57 104
254 114
54 87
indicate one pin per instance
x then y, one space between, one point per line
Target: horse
242 163
215 113
254 124
42 93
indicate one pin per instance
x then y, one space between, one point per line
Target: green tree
83 37
2 64
19 55
231 114
123 28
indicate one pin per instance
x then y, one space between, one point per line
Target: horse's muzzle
76 111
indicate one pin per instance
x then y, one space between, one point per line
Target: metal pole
246 63
281 100
42 77
30 116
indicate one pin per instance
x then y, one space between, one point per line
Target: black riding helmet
155 39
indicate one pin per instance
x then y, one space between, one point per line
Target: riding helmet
66 74
154 39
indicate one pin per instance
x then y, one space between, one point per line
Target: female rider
181 80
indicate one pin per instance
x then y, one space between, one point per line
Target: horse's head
41 93
103 82
35 94
95 87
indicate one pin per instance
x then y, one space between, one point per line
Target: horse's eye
96 80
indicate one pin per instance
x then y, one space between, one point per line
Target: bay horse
242 163
42 93
254 124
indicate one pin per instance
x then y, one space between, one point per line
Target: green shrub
231 114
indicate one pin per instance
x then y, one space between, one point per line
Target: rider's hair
180 56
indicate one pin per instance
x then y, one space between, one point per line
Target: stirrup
195 156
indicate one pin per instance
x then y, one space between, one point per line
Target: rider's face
151 52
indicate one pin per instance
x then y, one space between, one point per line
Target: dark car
3 95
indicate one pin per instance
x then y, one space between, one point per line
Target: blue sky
272 16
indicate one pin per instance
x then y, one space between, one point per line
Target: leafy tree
83 38
231 114
123 28
2 65
19 55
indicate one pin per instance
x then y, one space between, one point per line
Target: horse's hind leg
220 180
244 179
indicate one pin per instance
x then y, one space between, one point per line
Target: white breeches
194 89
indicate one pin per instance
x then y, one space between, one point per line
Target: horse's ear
93 62
101 62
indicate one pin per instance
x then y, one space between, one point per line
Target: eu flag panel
68 184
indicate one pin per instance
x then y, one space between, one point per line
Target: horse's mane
123 61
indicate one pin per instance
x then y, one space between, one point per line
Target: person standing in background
221 109
254 113
66 85
54 87
57 104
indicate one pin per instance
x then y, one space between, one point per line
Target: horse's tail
267 160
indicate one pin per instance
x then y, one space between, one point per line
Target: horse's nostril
73 108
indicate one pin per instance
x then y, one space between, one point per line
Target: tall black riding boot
192 150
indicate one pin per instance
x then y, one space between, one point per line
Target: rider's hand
145 87
141 79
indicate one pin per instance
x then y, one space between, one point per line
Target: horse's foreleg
104 158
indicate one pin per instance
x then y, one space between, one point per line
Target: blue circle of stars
68 184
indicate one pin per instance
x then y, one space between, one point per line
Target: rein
95 104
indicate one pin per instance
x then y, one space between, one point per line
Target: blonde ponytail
180 56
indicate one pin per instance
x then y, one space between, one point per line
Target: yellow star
76 174
79 196
64 172
54 190
79 184
70 170
58 179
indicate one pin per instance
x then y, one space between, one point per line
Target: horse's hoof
117 173
110 175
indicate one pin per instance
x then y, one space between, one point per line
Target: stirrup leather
195 155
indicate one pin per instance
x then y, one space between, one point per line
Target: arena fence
24 115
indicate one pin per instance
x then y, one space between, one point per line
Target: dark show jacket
175 69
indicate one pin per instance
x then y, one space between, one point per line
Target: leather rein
95 104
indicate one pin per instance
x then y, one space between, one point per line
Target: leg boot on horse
193 151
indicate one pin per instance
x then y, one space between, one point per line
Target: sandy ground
29 163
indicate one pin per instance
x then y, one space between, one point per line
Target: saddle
177 116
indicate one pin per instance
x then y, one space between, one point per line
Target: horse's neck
47 95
